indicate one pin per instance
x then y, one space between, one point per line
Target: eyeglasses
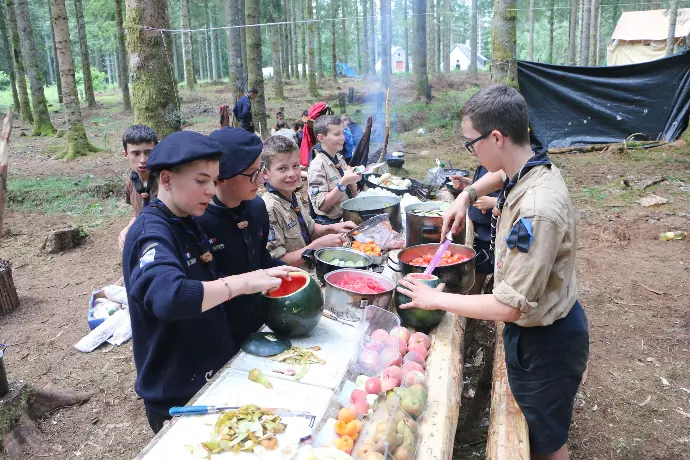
470 144
255 175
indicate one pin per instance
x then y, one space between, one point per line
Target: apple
390 357
414 378
389 383
356 395
401 332
421 339
419 349
373 346
393 372
379 335
412 366
399 343
361 407
373 386
369 360
414 356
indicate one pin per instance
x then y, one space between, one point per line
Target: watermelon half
295 308
416 317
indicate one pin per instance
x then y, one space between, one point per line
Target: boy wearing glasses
236 222
546 337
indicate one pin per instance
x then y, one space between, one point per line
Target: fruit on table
370 249
400 343
414 378
418 349
379 335
412 366
420 338
353 428
393 372
229 434
371 455
400 331
347 263
346 414
358 395
344 443
361 406
412 404
255 375
446 259
420 391
414 356
373 385
296 307
369 360
391 357
389 383
361 284
417 317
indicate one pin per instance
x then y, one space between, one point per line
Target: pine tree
25 111
57 64
572 36
187 49
530 47
313 91
77 142
235 74
254 67
334 11
672 20
122 49
585 29
473 39
8 56
407 37
84 47
419 61
365 34
504 64
386 69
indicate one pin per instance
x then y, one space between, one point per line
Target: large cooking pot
349 305
361 208
459 278
322 260
425 229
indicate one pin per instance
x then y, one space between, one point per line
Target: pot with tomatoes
456 267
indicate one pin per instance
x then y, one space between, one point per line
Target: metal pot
425 229
4 382
362 208
459 278
322 258
349 305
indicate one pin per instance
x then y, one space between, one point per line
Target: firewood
9 300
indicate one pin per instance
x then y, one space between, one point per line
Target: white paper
122 334
116 294
103 332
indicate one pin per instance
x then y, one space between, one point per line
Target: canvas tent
640 36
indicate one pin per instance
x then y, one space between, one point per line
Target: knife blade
203 410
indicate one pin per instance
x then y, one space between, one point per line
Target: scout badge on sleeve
520 235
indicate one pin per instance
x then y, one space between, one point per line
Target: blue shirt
349 143
176 347
481 221
240 250
243 110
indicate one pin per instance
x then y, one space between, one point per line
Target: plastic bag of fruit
378 230
388 432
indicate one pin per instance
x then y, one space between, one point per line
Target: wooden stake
384 149
4 154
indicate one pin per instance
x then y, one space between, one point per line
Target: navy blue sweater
481 221
243 110
238 251
176 346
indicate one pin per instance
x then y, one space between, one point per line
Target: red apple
373 346
393 372
400 343
369 360
361 407
373 386
421 339
391 357
412 366
389 383
419 349
357 394
379 335
401 332
414 356
413 378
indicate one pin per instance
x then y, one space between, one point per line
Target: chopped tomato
446 259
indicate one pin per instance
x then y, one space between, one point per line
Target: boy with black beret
179 336
236 222
535 293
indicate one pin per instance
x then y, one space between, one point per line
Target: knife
439 253
203 410
367 169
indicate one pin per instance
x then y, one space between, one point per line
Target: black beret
182 147
240 149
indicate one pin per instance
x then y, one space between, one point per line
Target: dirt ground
635 403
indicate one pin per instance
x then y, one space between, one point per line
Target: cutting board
338 343
233 388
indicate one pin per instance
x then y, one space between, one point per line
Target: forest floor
634 288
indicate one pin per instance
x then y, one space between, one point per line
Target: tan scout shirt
285 234
540 282
323 177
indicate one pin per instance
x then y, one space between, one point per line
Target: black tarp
591 105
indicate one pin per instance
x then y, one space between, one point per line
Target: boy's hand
343 227
121 238
460 182
332 240
261 280
485 203
350 178
422 295
454 216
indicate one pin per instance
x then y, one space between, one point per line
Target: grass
444 113
84 197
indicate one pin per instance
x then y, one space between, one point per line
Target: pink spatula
439 253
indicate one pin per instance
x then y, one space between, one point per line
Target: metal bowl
349 305
459 277
395 162
323 257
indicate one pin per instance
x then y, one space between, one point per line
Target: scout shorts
545 366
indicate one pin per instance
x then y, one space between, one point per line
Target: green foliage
444 113
98 78
4 81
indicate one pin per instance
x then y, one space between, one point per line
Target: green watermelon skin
416 317
295 314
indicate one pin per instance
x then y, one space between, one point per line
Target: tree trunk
334 14
25 112
358 48
8 56
285 43
579 39
154 90
552 17
365 36
108 69
313 91
598 59
176 70
372 28
439 46
207 44
446 36
255 72
214 57
277 63
303 37
42 124
406 28
530 46
586 26
187 50
386 69
294 41
77 142
201 54
504 65
431 39
9 301
419 60
572 41
243 42
473 39
344 34
84 47
593 15
672 20
219 54
49 59
57 64
319 44
232 18
124 66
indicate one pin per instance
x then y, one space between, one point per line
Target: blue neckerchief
193 228
540 158
239 216
294 205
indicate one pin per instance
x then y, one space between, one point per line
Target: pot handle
366 215
308 256
431 229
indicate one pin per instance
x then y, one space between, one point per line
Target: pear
255 375
403 453
413 406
